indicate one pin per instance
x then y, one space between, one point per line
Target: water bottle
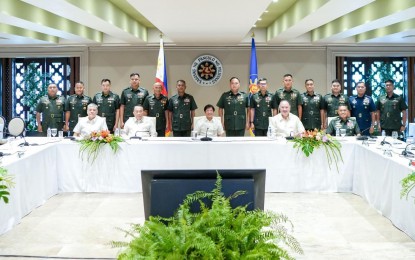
49 132
375 129
269 133
383 133
337 131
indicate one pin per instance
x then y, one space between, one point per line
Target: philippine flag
161 75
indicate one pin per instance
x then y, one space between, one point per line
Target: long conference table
54 166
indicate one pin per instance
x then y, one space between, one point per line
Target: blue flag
253 70
253 76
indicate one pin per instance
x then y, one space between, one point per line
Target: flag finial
253 34
161 35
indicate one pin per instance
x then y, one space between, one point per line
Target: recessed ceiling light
259 19
274 1
254 25
266 11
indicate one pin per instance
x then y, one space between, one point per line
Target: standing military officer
130 97
333 100
261 109
51 108
181 108
363 109
293 97
108 105
156 106
233 110
313 112
390 107
76 106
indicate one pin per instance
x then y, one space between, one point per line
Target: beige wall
117 63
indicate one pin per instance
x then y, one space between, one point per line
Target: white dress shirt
284 127
213 127
142 128
85 127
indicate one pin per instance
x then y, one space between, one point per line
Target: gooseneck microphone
363 137
138 137
25 143
384 142
206 138
407 153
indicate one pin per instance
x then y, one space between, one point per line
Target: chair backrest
197 118
16 126
2 122
153 119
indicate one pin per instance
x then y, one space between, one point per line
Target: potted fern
408 184
6 182
218 231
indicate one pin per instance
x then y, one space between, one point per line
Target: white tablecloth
287 170
47 170
35 181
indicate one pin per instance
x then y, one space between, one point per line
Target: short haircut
343 106
134 74
262 79
336 81
390 81
360 82
92 105
138 106
106 80
285 101
80 82
234 78
209 106
305 82
288 75
182 81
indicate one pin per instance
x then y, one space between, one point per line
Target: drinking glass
343 133
54 131
394 136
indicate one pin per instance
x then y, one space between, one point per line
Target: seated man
90 123
343 122
211 125
284 123
139 125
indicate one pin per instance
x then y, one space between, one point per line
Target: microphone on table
407 153
206 138
291 137
138 137
25 143
363 137
384 142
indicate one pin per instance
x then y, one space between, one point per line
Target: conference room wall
117 63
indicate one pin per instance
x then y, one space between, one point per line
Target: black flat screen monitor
165 190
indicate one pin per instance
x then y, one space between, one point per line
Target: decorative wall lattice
374 71
57 68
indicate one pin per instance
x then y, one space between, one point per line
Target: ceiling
206 23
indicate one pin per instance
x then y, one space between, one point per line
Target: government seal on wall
206 70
